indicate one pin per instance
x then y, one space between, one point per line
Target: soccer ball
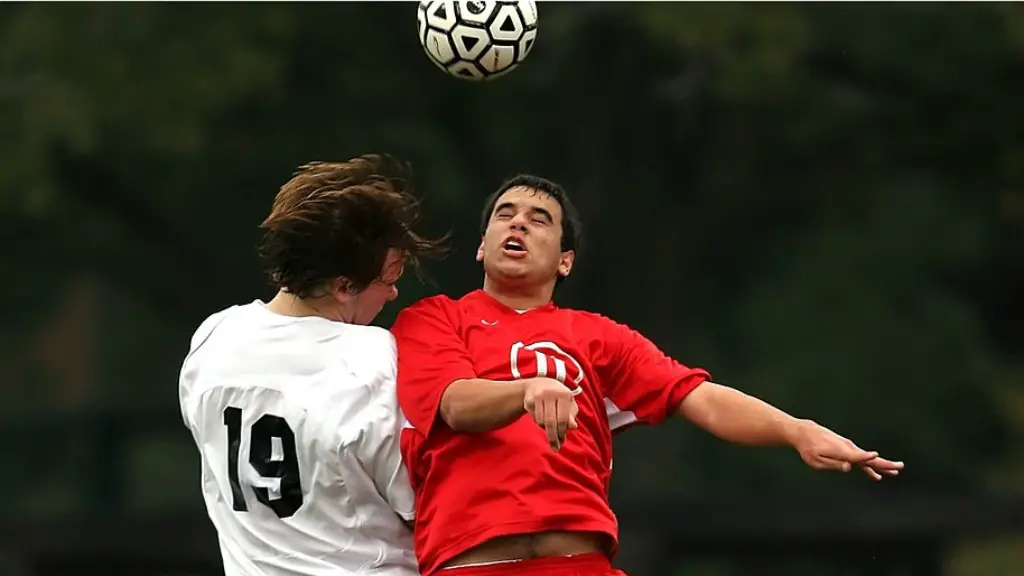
477 40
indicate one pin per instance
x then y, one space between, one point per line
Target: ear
565 263
342 290
480 251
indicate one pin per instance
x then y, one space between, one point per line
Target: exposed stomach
537 545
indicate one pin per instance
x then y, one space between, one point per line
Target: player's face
523 240
368 303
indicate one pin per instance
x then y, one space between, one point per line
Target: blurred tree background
821 203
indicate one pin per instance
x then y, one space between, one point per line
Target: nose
518 221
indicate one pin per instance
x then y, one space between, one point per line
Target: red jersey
471 488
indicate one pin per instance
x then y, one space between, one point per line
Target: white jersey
297 423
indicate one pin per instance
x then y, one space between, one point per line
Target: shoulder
370 350
359 386
191 366
593 321
207 327
605 337
433 312
364 411
370 339
438 303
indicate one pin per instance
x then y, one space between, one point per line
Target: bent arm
739 418
479 405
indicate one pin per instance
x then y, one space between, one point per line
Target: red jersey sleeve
431 355
639 379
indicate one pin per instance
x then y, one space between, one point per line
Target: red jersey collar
485 299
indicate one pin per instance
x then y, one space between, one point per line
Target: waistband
591 561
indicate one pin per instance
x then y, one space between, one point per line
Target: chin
509 271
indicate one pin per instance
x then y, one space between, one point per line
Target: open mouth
513 248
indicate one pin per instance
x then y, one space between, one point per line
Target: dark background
823 204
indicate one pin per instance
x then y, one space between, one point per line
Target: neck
287 304
519 297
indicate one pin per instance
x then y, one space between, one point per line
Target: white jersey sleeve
189 369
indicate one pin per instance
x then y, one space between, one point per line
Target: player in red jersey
511 402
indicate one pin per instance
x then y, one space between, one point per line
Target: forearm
739 418
478 405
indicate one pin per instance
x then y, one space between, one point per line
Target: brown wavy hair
340 219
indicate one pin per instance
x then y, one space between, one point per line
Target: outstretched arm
743 419
648 386
739 418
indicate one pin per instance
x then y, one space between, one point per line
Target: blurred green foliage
815 202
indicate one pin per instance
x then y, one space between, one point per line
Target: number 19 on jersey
282 469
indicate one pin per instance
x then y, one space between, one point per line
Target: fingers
871 472
880 468
538 413
556 416
847 451
825 463
823 449
852 455
551 423
553 408
876 468
563 411
883 465
879 474
559 415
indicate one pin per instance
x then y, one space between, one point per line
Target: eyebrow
503 206
534 210
544 212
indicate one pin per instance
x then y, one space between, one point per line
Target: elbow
457 416
460 421
454 417
706 419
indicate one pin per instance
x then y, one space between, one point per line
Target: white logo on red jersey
548 357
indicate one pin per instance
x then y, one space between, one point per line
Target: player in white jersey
292 402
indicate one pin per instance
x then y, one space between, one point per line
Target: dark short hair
340 219
572 227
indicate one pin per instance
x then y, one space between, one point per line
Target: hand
823 449
553 407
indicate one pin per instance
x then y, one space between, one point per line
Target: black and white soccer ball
477 39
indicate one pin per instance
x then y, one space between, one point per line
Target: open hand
553 407
823 449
